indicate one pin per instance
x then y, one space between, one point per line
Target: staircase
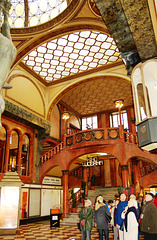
73 218
107 193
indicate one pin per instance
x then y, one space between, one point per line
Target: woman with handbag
102 218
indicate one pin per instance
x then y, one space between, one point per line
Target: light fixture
65 116
102 154
119 103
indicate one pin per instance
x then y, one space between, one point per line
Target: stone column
85 178
125 176
65 193
136 176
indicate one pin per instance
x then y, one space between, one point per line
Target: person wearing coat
149 218
100 218
120 208
130 217
86 217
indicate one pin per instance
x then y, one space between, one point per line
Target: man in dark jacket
86 217
149 218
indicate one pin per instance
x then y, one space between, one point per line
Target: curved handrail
94 135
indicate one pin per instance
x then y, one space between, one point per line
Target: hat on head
151 194
89 201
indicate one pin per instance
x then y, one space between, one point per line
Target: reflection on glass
2 148
9 207
13 151
24 168
142 105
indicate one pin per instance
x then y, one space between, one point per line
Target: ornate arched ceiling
98 95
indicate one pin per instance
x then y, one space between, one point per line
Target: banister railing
48 155
131 137
98 134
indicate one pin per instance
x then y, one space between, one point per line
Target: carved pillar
125 176
136 176
90 174
102 175
19 154
113 172
7 151
107 173
65 193
85 178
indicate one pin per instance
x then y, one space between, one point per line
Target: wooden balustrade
48 155
98 134
147 168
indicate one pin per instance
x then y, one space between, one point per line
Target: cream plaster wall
74 121
55 123
25 92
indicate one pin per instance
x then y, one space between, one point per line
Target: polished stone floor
43 231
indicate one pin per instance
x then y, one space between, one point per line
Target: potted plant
93 182
83 190
73 198
133 119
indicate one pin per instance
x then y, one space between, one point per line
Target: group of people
127 217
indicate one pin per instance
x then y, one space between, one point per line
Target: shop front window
24 168
13 151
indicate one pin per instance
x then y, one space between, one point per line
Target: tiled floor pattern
42 231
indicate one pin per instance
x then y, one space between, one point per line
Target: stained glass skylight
33 12
71 54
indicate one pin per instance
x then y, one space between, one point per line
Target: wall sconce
119 105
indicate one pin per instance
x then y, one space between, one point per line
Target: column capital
124 167
135 162
65 172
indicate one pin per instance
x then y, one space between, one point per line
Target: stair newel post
65 193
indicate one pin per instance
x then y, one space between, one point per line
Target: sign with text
93 161
51 181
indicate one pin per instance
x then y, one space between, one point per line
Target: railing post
121 132
74 138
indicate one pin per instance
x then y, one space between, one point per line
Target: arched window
24 168
13 151
2 148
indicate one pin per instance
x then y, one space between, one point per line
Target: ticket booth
10 192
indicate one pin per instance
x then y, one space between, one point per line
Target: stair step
107 193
